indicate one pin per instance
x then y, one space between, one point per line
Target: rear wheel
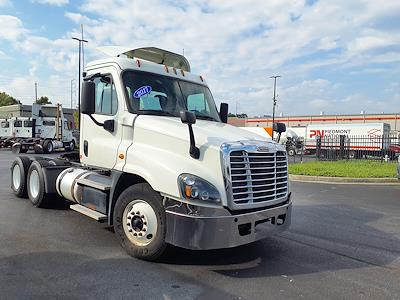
19 171
140 222
36 184
71 146
48 147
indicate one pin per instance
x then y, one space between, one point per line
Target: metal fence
356 147
339 147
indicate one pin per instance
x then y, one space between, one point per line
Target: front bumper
201 232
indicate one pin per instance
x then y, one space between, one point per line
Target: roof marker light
138 63
201 78
176 73
183 73
166 68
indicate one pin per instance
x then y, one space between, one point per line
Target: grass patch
343 168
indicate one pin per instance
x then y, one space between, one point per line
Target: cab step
89 212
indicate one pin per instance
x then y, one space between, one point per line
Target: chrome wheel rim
16 177
50 147
140 222
34 183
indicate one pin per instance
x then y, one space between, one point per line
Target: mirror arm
193 150
278 138
96 122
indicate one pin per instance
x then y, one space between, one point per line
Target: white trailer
359 138
159 163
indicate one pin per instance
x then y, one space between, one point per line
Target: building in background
22 110
392 119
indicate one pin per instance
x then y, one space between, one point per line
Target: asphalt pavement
344 243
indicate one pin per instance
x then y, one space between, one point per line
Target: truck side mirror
223 112
189 118
279 127
88 98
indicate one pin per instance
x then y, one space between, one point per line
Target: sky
333 57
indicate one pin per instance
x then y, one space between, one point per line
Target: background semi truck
45 131
159 163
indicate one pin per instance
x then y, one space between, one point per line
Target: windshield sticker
142 91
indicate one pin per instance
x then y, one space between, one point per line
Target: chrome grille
258 178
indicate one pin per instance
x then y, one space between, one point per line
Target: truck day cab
159 163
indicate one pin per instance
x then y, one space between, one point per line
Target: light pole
72 84
274 103
81 41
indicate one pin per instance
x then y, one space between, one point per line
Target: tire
23 150
48 147
140 222
291 152
35 184
71 146
19 171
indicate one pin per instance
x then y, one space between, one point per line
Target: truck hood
206 133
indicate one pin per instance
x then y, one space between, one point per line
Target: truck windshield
166 96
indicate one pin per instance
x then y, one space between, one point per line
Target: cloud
4 56
238 45
5 2
52 2
11 28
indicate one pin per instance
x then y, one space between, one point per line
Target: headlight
195 188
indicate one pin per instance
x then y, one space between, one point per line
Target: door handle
85 147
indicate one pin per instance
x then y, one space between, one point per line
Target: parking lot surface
344 243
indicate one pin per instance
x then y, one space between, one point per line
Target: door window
106 96
28 123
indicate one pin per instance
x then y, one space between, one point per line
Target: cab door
99 147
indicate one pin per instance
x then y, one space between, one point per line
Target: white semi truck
160 164
15 129
46 131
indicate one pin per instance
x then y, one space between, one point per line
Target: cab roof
152 54
149 59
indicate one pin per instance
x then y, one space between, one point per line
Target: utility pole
72 84
81 41
36 91
274 103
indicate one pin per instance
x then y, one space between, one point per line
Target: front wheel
140 222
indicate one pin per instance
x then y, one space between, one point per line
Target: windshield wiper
154 112
205 117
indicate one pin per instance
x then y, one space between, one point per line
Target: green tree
6 99
76 119
231 115
43 100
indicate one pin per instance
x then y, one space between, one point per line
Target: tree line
6 99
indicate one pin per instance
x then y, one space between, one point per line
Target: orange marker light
183 73
201 78
175 71
138 63
121 156
188 190
166 68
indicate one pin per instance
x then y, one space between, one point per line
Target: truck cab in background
46 131
160 164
